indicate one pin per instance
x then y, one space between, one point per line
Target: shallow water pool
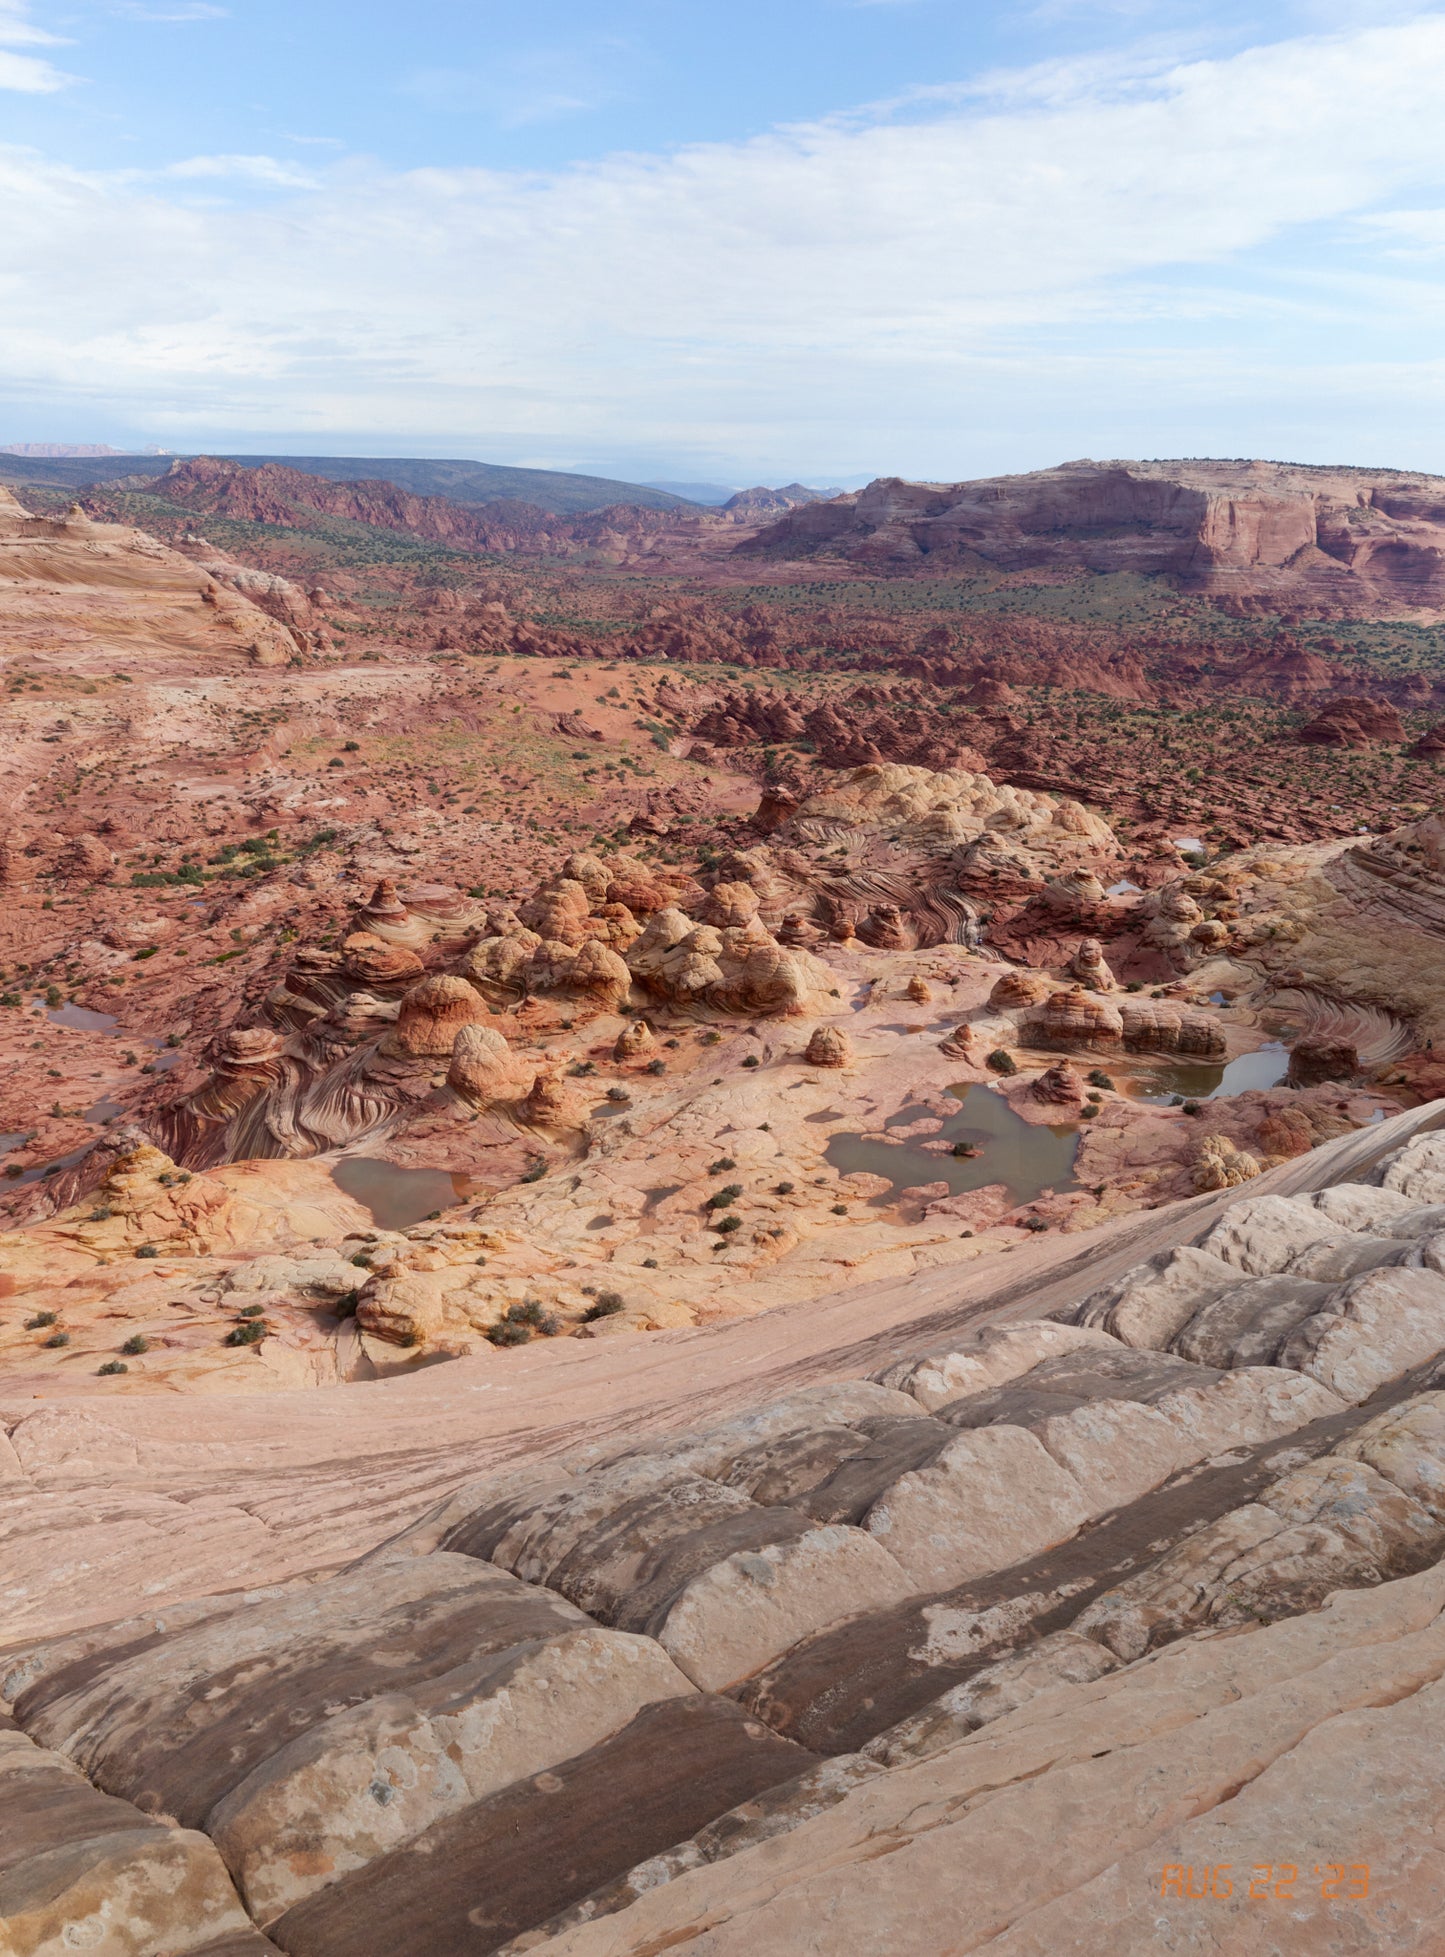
1211 1080
80 1016
399 1197
1026 1159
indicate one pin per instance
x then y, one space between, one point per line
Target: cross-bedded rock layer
1149 1575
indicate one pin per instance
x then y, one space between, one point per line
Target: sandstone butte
670 1349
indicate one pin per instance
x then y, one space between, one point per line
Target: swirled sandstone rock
1089 966
432 1014
1059 1086
1074 1018
374 962
1019 988
385 916
1162 1026
484 1070
828 1046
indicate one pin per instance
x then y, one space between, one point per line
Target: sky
669 239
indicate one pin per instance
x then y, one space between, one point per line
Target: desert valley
708 1212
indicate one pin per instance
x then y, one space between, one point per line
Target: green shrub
607 1305
723 1162
137 1342
112 1366
41 1318
1001 1062
146 1250
57 1338
251 1333
731 1222
751 1060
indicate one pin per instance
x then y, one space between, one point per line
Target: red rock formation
1361 540
1019 988
1352 722
433 1013
1075 1018
1059 1087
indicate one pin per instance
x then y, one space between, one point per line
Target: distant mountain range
460 482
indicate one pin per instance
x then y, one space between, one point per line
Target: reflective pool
1211 1080
1025 1158
81 1016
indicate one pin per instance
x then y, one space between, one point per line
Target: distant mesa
1250 535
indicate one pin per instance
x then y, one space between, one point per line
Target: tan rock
634 1039
311 1812
992 1356
1220 1164
1089 966
828 1046
748 1608
483 1069
1152 1301
992 1497
1075 1018
86 1872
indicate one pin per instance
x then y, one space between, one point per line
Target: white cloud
843 292
18 31
27 74
247 169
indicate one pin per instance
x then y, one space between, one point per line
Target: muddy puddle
78 1016
399 1197
1026 1159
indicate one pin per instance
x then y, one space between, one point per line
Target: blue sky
817 238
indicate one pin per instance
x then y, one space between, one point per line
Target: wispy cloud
17 30
247 169
27 74
187 10
1148 245
531 85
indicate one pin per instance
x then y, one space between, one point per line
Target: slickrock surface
1134 1552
